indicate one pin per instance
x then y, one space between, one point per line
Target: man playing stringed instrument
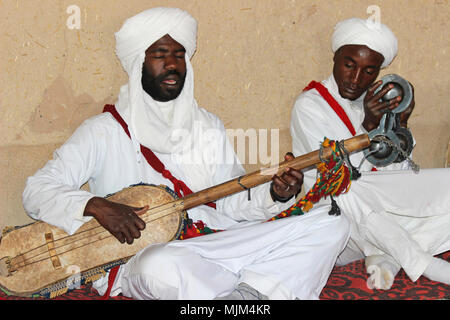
399 219
155 134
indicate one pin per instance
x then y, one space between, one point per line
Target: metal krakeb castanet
391 143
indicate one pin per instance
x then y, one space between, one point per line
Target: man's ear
335 56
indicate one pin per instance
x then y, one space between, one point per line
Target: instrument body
84 256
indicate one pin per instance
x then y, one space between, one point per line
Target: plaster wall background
253 59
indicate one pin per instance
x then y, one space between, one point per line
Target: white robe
283 259
393 211
100 153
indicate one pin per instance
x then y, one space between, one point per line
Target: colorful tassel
334 178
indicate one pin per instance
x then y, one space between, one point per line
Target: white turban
141 31
148 119
376 36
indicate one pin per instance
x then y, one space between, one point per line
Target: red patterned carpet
350 283
345 283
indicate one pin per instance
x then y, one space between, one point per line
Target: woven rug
347 282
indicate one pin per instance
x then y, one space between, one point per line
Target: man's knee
324 230
156 260
153 273
343 227
337 229
339 233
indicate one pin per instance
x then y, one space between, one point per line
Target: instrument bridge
52 251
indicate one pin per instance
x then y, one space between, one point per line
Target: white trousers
400 214
283 259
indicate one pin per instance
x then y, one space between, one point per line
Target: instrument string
154 210
26 261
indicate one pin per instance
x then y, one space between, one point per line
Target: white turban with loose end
147 121
376 36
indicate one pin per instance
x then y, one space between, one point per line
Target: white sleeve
53 193
309 127
238 206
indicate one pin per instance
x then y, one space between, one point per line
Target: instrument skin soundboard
42 260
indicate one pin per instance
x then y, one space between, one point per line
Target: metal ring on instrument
321 154
407 91
389 158
244 187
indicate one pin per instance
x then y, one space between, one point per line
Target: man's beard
154 87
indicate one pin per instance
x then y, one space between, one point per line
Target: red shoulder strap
181 189
333 104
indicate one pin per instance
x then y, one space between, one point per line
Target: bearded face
164 69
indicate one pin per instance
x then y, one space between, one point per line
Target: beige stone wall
253 59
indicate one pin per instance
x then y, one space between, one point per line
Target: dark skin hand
290 182
355 70
375 109
120 220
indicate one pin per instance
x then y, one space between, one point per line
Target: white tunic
287 258
392 211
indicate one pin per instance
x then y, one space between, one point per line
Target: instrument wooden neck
265 174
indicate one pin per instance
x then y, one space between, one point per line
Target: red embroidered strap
111 278
333 104
181 189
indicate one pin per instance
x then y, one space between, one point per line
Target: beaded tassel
334 178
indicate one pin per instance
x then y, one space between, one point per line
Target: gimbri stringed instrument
40 260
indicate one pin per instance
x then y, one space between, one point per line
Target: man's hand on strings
288 184
120 220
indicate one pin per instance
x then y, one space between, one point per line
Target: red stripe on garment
333 104
111 278
323 91
181 189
